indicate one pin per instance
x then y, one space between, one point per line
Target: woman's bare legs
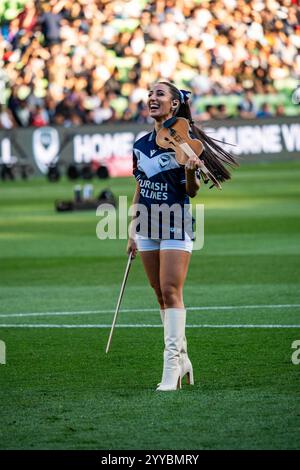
173 270
151 262
166 271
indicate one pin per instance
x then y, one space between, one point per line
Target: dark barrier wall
111 145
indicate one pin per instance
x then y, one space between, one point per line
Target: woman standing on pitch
160 180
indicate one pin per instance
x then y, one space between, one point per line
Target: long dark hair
215 157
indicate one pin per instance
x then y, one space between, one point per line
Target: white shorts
148 244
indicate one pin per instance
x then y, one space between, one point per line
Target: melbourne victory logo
45 145
164 160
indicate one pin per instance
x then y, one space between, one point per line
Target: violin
175 135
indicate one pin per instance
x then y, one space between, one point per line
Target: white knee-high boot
186 365
174 329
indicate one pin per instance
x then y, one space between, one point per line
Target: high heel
187 371
186 365
174 327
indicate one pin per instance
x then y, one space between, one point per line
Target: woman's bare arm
192 184
131 245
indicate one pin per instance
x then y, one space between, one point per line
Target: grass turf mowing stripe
43 325
92 312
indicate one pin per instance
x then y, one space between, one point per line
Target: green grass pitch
58 389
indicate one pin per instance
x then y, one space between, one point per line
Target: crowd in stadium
74 62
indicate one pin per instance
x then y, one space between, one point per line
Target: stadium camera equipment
73 172
7 172
53 174
102 172
86 172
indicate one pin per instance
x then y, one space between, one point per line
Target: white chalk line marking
43 325
141 310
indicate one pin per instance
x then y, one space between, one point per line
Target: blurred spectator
7 120
210 112
221 112
103 113
59 120
142 116
94 59
131 113
22 113
50 20
264 112
39 117
247 107
75 120
28 17
279 110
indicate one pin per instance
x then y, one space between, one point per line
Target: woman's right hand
131 247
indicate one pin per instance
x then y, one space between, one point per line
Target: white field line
133 310
43 325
